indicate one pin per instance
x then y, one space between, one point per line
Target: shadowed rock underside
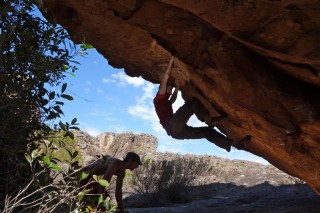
256 61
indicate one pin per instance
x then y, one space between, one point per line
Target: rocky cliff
116 145
256 61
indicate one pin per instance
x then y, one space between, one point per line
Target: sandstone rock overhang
257 61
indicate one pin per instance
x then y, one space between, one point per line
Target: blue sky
107 100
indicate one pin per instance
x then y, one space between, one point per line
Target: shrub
53 189
49 187
168 179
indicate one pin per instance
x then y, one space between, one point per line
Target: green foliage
100 180
35 55
50 187
85 46
128 177
61 142
92 202
98 203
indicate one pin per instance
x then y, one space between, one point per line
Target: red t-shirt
163 108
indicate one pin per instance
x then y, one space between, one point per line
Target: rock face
116 145
257 61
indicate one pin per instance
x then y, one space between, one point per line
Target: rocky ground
260 188
221 197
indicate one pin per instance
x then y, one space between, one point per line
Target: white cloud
118 129
140 111
124 79
144 109
108 80
148 92
93 131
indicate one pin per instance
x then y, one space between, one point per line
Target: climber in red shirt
175 124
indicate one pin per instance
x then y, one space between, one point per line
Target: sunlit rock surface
257 61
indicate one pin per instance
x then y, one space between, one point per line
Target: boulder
256 61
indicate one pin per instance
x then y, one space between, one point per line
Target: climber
107 167
175 124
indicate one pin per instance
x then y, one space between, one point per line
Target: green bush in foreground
53 188
35 56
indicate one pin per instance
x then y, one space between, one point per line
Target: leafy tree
34 55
